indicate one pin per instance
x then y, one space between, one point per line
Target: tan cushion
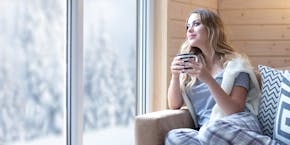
151 128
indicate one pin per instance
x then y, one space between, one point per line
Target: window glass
32 72
109 71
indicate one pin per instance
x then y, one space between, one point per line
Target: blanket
236 129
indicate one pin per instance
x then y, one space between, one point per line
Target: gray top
202 100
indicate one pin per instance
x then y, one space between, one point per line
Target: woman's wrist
175 76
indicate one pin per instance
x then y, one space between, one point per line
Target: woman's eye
193 24
196 23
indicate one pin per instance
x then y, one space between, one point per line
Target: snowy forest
33 70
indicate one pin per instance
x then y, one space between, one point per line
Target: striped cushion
282 121
271 85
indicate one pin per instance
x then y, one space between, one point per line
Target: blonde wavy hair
217 40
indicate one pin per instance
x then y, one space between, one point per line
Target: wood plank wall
259 28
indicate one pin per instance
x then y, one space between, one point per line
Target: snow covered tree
109 97
33 69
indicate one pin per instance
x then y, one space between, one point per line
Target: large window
32 72
52 94
109 71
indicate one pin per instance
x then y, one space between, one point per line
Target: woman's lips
191 36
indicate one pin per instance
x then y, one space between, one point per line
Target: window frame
74 62
144 56
74 81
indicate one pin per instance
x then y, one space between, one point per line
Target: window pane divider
74 106
144 56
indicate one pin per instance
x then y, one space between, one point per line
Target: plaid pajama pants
237 129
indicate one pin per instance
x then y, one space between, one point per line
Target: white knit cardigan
231 71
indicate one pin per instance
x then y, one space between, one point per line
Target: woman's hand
196 69
177 66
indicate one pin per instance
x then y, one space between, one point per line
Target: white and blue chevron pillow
282 121
271 86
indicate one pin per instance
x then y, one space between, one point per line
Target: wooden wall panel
259 28
256 16
211 4
174 46
271 61
176 30
263 48
253 4
158 88
258 32
179 11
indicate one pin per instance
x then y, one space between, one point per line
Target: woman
219 89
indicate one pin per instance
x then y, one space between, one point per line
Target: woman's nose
189 27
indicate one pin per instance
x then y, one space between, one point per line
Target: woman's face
196 33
